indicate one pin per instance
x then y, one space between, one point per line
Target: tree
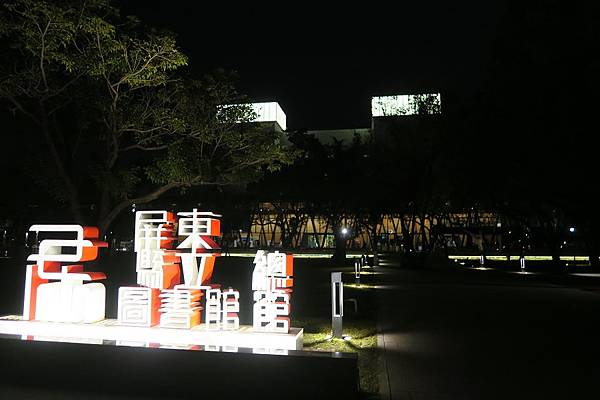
120 123
326 181
41 41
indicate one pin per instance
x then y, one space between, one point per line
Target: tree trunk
374 241
72 193
591 248
105 221
340 243
103 209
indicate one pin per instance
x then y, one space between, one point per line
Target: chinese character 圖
272 284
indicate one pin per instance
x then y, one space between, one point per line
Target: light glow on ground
296 255
516 258
109 329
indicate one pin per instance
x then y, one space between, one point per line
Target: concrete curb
384 379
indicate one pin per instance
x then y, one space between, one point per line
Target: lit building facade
292 225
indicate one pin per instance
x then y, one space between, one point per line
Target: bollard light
337 304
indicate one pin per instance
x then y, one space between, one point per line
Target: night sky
518 79
323 63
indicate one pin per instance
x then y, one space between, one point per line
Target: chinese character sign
198 262
175 262
156 260
54 290
175 256
272 284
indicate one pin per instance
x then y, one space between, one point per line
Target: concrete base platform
73 371
109 329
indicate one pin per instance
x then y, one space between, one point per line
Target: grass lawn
359 327
361 338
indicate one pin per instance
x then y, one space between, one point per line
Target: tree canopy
120 119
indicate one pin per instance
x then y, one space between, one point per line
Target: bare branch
43 55
20 107
139 147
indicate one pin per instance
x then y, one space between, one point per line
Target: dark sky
322 63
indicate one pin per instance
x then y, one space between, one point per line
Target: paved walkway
469 335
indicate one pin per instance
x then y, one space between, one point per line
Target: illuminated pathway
475 335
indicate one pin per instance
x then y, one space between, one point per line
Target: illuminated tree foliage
120 124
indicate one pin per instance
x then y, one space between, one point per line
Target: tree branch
140 147
117 209
20 107
43 54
